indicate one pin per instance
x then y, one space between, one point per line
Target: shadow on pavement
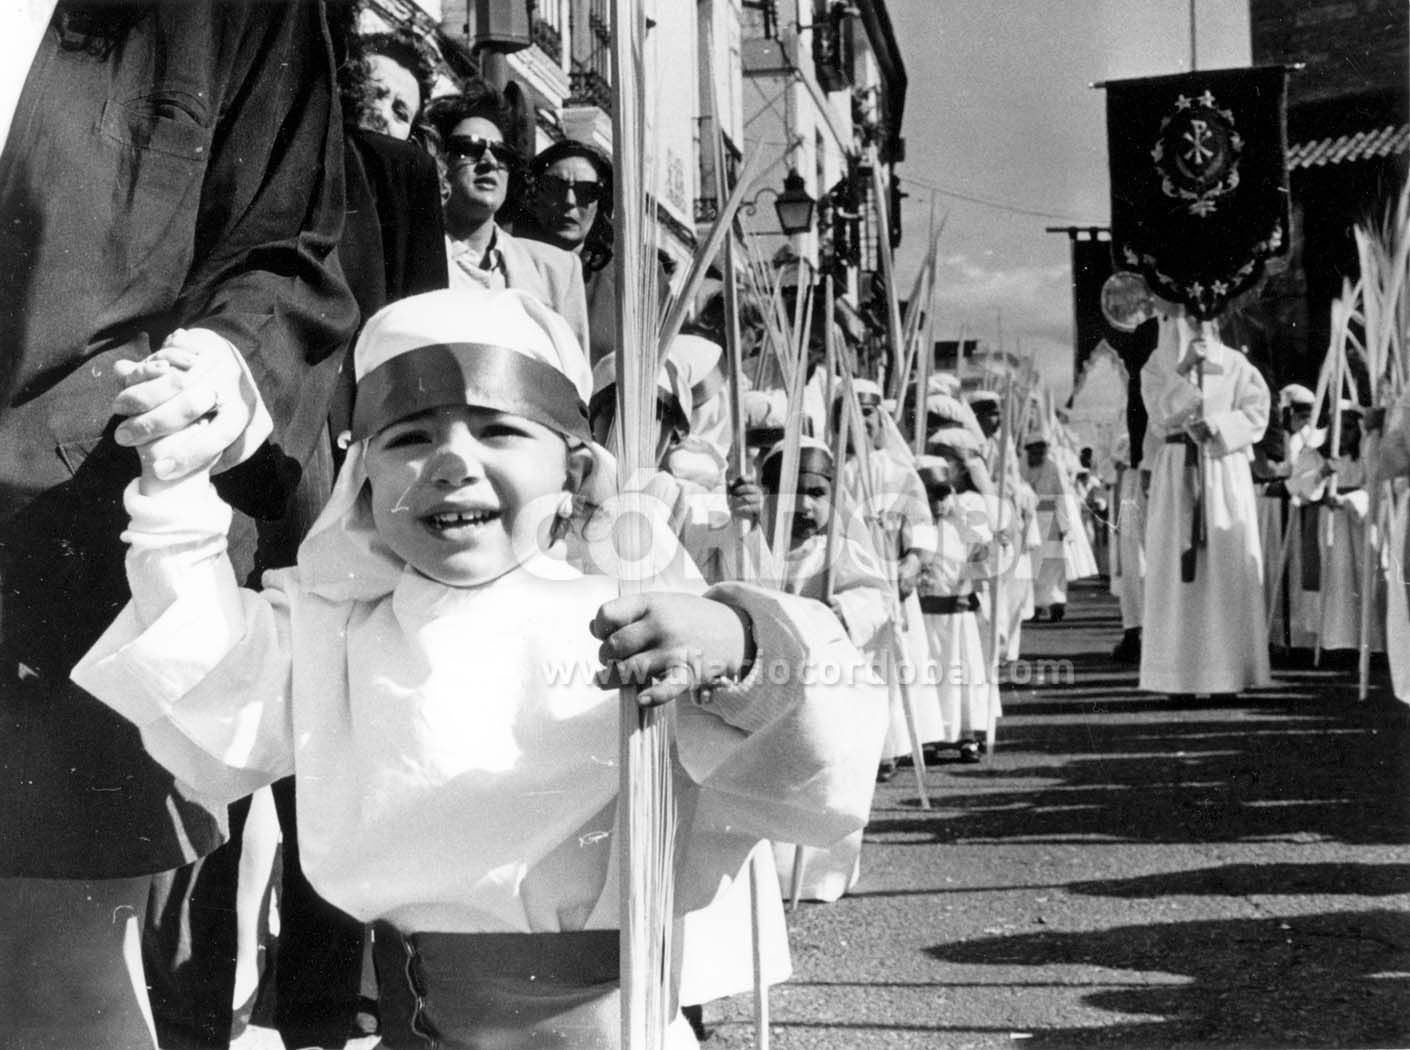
1330 980
1335 777
1350 879
1276 766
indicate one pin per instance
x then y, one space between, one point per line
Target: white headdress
497 349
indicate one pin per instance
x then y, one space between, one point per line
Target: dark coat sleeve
271 212
406 193
189 174
393 242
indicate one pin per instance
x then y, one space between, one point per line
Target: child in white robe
1050 560
1341 524
1282 519
1018 533
903 537
429 672
947 594
853 583
849 577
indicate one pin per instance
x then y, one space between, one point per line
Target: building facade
824 96
1348 146
815 86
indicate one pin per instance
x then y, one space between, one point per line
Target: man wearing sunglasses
478 164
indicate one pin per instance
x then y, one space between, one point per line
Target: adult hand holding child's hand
188 405
670 644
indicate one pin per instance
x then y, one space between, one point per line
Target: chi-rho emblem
1197 153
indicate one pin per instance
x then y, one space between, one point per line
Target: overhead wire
1016 209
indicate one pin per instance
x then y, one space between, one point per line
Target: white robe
904 524
858 584
1294 620
1297 610
456 763
1012 600
1207 635
963 689
1055 524
1342 533
1128 577
1333 611
861 600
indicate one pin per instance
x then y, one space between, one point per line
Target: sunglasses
474 147
585 192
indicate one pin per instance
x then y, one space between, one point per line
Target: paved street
1124 872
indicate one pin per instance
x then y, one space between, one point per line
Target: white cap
1296 394
865 389
982 397
500 349
943 383
961 439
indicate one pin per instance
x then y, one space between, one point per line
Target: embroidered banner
1199 180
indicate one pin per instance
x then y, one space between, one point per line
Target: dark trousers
188 946
318 960
310 988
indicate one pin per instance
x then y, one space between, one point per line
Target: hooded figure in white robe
1204 628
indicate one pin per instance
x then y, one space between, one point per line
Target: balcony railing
590 81
546 27
588 87
832 47
760 18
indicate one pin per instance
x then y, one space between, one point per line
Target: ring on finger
217 403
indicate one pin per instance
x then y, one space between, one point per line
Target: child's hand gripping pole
670 644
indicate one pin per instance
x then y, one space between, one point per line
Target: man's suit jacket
550 274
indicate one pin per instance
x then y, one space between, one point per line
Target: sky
999 110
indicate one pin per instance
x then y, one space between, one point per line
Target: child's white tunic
860 593
1055 524
1341 539
962 689
456 764
903 523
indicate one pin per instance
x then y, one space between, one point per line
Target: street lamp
793 204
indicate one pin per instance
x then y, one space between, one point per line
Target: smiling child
429 672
